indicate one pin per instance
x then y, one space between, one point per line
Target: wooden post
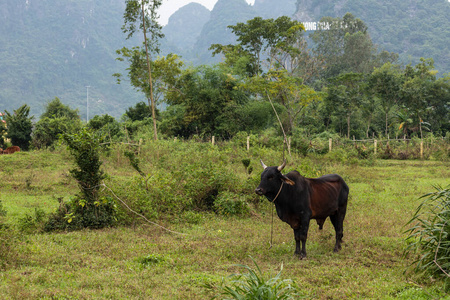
289 145
212 140
375 147
330 143
421 149
248 143
139 148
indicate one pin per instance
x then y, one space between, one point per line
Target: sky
168 7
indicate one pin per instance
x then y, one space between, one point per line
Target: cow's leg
338 223
301 234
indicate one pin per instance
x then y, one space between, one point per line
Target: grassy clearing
147 262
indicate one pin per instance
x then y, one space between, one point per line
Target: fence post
421 149
375 147
139 148
330 143
289 145
212 140
248 143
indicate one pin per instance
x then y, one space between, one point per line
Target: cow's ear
287 180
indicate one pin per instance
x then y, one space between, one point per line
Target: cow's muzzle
259 191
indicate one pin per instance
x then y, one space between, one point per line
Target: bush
230 204
88 209
429 236
29 224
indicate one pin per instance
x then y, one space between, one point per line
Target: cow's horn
282 166
262 164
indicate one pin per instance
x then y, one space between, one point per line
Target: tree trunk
348 126
152 100
368 126
386 122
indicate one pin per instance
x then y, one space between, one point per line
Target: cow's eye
270 177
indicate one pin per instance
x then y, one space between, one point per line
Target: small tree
88 208
136 12
56 119
20 126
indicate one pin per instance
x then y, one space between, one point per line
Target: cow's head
271 180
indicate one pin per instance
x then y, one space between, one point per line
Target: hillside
184 28
52 48
56 48
413 29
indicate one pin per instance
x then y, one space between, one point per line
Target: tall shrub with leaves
20 126
429 236
88 208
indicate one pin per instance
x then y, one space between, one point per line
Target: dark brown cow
298 200
11 150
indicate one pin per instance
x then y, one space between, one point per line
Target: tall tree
386 82
20 126
416 90
346 46
257 36
136 13
346 94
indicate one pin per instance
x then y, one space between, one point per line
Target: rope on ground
140 215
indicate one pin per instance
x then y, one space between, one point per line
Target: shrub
34 223
429 236
253 285
230 204
88 208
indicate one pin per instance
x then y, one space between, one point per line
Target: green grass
147 262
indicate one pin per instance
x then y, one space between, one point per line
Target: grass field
148 262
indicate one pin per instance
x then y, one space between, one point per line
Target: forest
269 82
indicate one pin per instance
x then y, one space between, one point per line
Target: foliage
230 204
32 223
429 237
385 82
139 112
144 13
3 132
346 46
254 285
209 99
20 126
106 126
88 208
56 109
56 120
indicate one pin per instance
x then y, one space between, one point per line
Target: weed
253 285
151 259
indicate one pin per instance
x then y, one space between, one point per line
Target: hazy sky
168 7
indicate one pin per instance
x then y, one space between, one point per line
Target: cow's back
328 193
